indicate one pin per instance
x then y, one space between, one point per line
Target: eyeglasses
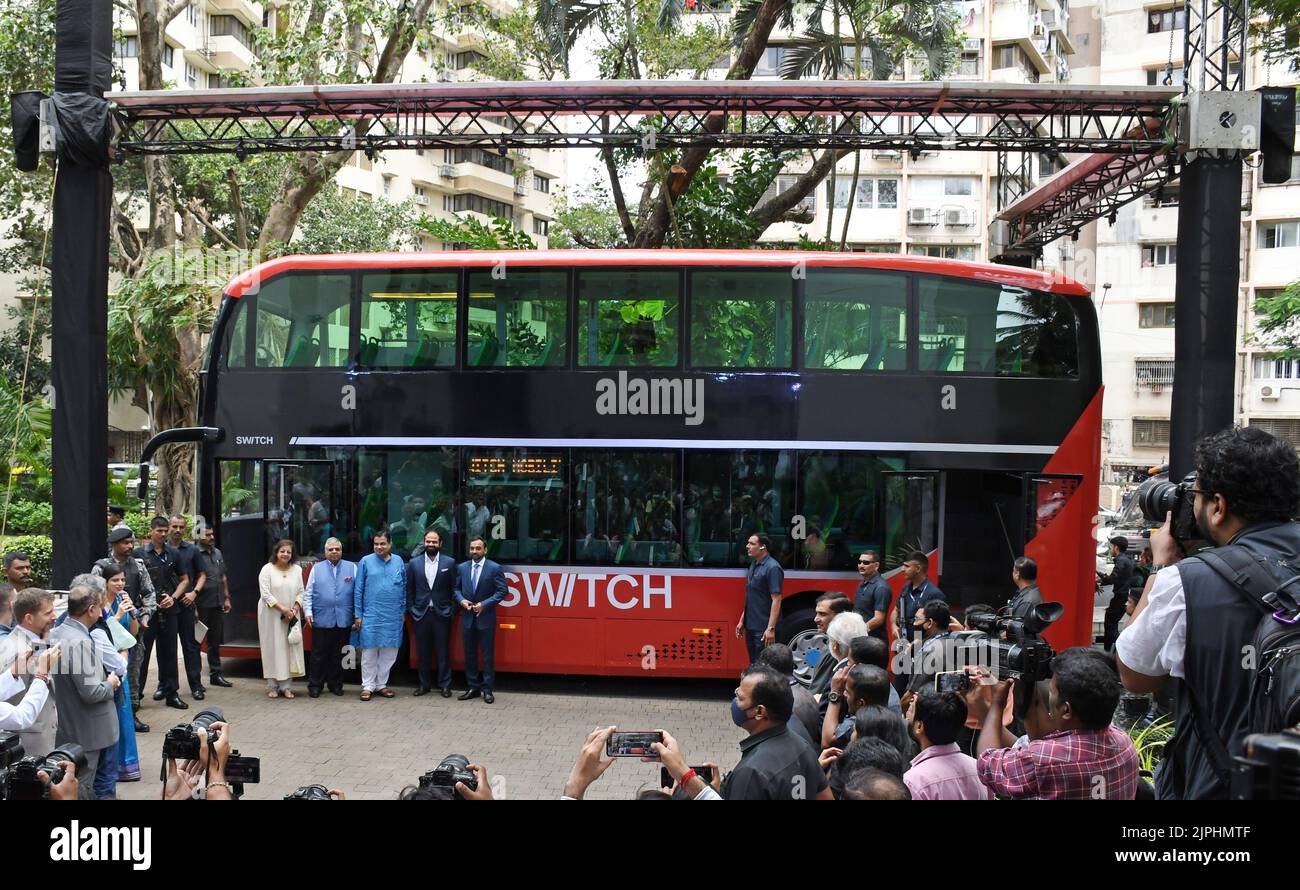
867 562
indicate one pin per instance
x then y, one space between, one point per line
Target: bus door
297 500
913 512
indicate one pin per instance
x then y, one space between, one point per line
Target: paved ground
528 738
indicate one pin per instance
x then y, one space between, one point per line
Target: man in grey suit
430 579
33 618
84 689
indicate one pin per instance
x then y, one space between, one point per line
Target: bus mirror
142 492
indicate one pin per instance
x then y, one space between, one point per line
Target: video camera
453 768
182 742
20 778
1271 768
1023 654
1159 497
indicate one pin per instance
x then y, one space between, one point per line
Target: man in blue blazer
430 580
480 585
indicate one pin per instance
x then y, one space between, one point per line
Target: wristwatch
834 698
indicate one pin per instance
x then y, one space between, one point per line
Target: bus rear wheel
798 631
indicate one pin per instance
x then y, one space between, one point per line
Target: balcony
1019 24
1157 224
250 12
227 52
1153 374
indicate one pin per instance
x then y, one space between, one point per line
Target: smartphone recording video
632 744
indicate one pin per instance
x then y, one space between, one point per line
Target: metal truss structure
1215 48
929 116
1090 189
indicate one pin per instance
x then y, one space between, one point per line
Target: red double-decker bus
617 423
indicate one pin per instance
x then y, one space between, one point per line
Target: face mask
738 713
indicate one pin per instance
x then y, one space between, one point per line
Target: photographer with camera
1201 613
198 756
1083 757
87 714
31 699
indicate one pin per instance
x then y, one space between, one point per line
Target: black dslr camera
22 779
1271 768
453 768
309 792
182 742
1158 497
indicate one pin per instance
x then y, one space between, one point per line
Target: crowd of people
869 722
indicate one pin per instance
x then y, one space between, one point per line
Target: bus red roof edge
1013 276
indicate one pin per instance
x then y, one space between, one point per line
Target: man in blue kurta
379 599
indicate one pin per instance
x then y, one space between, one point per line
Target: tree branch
175 8
653 227
776 207
193 209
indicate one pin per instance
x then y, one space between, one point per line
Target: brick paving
528 739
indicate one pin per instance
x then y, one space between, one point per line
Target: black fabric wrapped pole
1206 281
79 311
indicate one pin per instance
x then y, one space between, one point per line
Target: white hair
844 629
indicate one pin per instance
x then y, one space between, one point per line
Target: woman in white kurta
280 583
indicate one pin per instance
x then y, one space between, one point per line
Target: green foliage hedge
28 518
41 550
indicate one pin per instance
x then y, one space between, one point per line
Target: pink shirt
942 772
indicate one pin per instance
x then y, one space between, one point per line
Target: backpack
1274 698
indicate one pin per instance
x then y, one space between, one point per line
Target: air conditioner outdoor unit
920 216
971 45
1049 18
958 217
446 75
421 199
447 171
521 187
1269 392
886 154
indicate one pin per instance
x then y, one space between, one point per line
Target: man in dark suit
430 580
1121 577
480 585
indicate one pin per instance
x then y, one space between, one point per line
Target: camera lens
455 762
205 718
1156 497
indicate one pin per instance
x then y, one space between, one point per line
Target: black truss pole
79 309
1207 278
1205 304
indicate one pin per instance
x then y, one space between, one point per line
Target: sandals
365 695
288 694
387 693
274 693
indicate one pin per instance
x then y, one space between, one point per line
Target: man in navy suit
480 585
430 580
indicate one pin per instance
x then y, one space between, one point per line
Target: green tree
476 235
642 39
252 208
1278 324
1275 30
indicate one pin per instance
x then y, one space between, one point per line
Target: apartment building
212 40
936 203
1136 257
